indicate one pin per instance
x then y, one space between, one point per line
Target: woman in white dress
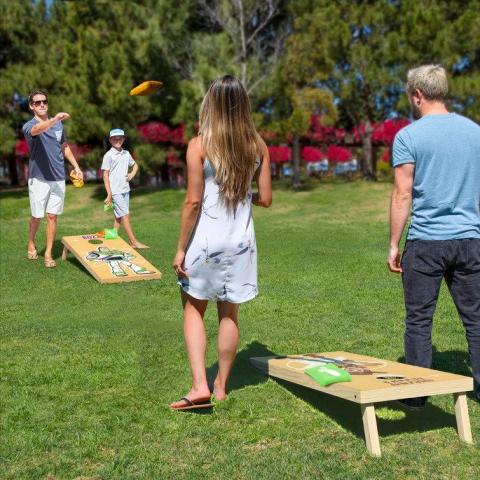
216 255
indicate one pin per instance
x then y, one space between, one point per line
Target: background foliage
343 62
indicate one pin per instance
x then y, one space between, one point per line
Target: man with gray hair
437 167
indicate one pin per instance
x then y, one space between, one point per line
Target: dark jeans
425 263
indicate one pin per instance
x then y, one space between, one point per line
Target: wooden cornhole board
111 261
374 380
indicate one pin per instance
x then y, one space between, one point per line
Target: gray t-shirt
446 187
46 155
117 163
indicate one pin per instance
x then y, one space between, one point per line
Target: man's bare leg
32 232
51 231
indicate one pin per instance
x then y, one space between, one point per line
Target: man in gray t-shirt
46 180
437 172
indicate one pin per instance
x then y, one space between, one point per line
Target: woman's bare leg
196 343
228 339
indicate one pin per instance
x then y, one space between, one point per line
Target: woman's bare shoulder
195 150
195 143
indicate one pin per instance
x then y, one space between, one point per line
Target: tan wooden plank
463 420
376 385
370 429
112 256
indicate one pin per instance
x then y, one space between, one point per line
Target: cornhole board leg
463 420
370 429
64 253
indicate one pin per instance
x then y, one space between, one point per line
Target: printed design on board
118 261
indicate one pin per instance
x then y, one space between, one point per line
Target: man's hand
393 260
78 173
108 200
60 117
130 176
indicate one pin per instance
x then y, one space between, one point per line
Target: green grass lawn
87 370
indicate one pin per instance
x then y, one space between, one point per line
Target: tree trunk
368 167
243 58
296 161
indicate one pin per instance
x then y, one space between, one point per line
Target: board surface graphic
109 261
373 379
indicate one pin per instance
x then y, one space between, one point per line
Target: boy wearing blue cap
115 165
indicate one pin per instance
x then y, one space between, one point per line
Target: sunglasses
37 103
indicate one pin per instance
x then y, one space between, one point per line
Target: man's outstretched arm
399 211
44 125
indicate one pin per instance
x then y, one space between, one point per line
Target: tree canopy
342 62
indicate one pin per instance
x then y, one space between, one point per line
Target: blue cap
116 132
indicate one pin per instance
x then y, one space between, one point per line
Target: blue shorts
120 204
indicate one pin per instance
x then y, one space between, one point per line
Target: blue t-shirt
46 156
446 187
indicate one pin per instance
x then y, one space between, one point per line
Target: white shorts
46 196
121 204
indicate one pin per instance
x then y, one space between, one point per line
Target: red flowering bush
385 158
336 154
383 132
21 148
279 154
312 154
323 134
158 132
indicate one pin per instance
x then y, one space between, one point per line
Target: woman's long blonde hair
229 138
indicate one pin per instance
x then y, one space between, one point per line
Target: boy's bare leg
125 221
117 223
32 232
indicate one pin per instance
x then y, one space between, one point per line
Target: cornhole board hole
109 261
373 381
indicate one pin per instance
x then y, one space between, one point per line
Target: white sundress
221 258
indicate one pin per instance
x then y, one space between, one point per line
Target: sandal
194 404
32 255
50 263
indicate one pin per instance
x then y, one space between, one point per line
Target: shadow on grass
348 414
57 255
56 250
451 361
243 374
13 192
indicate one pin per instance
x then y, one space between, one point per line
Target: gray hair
431 80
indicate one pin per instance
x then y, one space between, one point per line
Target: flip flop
50 263
32 255
191 405
139 247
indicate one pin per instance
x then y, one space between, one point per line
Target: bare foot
138 245
220 393
194 395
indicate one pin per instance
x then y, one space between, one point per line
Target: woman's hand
178 264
